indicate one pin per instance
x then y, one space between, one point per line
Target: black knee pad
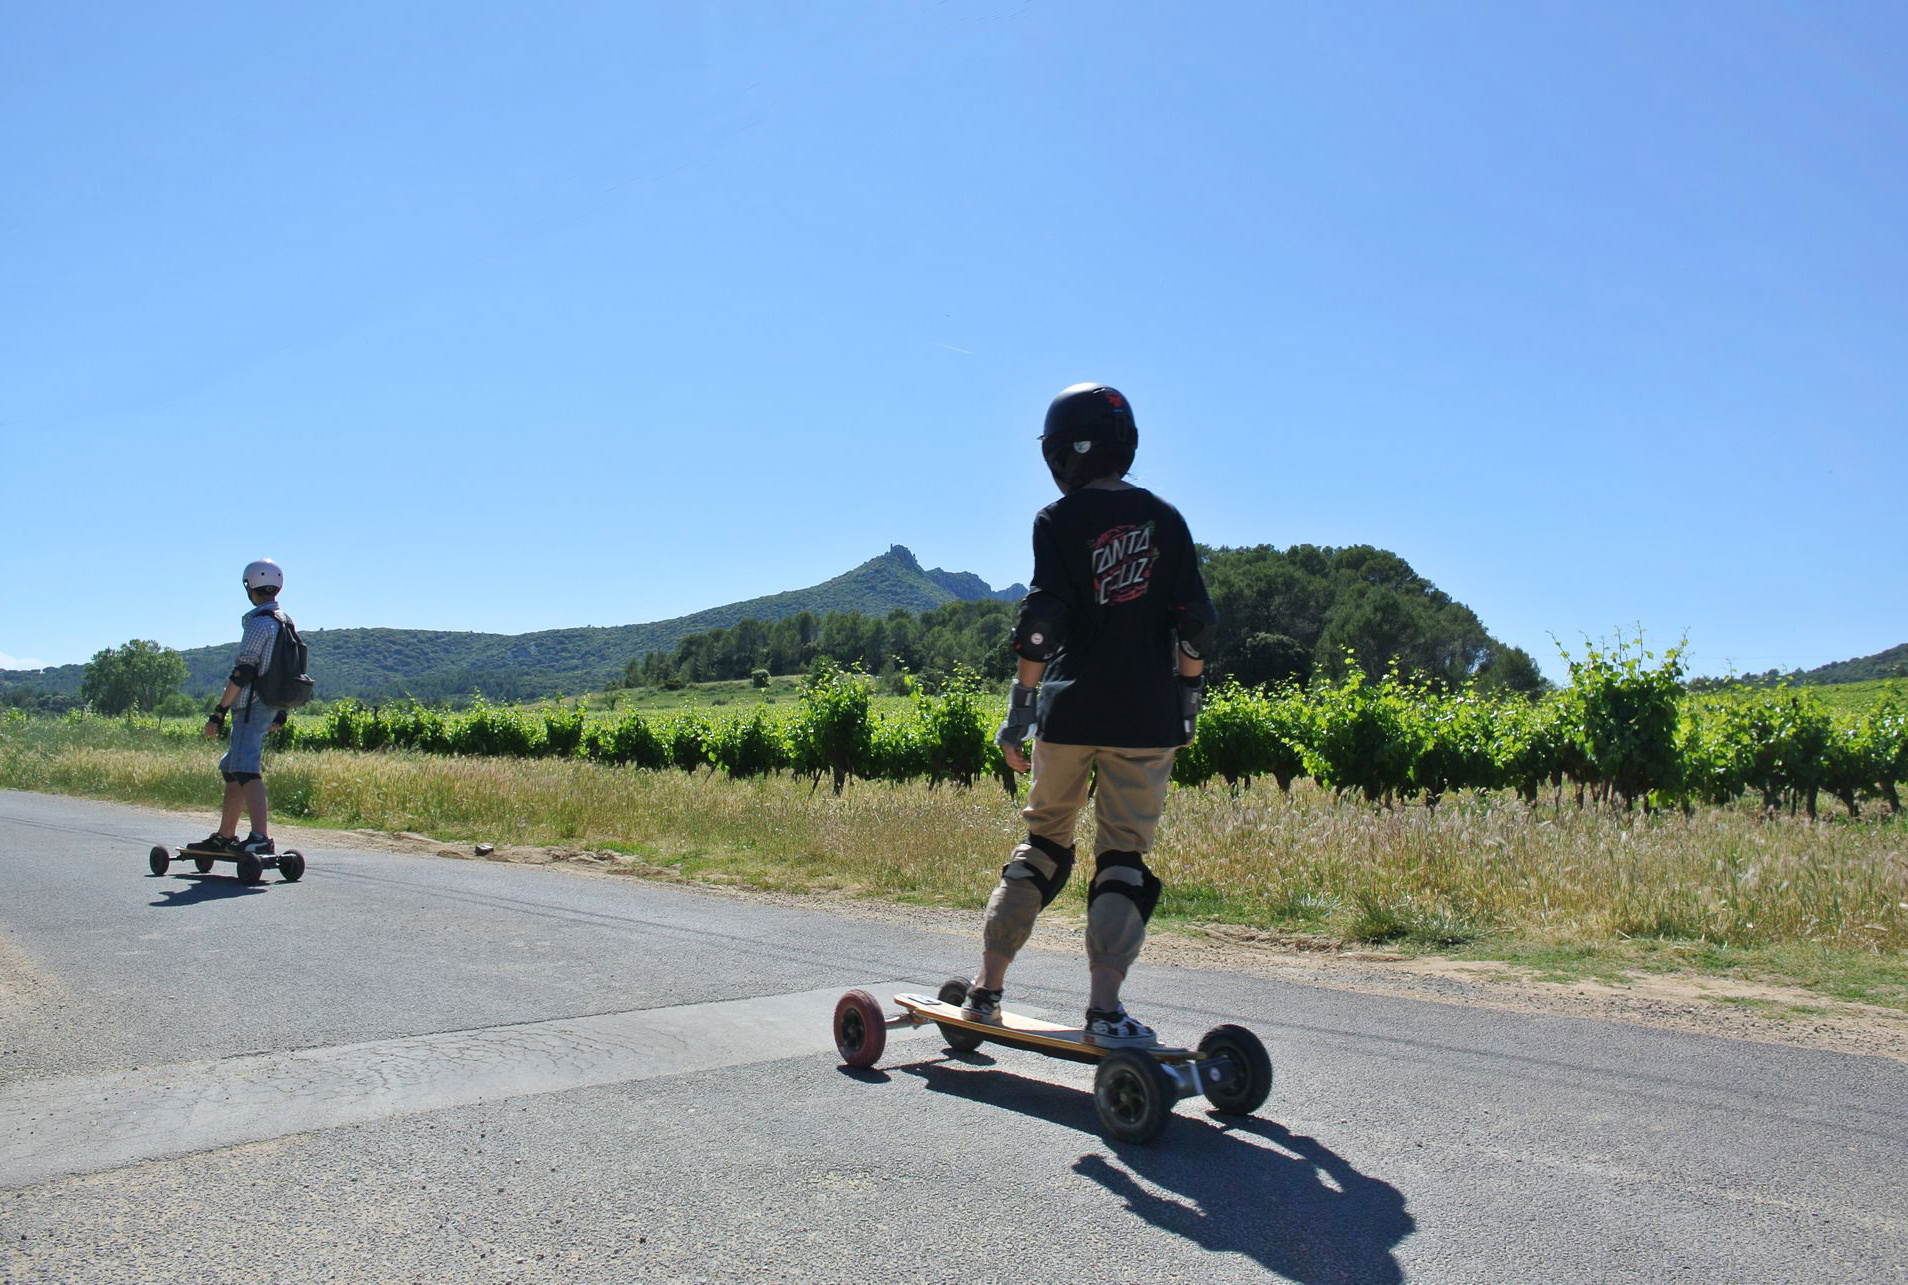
1144 895
1063 869
239 778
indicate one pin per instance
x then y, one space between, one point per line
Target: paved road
410 1068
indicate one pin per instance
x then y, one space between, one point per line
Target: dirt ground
1719 1006
22 985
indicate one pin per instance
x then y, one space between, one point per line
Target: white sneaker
981 1006
1117 1029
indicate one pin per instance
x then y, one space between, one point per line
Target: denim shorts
251 719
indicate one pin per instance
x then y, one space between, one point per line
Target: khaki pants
1127 800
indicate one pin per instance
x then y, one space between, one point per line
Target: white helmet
264 574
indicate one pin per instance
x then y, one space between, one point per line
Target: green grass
1876 977
1857 699
1557 893
733 696
739 694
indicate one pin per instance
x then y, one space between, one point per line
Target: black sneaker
257 844
981 1006
1117 1029
216 842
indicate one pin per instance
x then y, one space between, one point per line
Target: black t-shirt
1118 562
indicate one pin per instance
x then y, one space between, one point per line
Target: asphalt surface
411 1068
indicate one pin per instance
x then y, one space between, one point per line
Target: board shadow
1231 1185
204 888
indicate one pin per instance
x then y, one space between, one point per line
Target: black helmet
1089 433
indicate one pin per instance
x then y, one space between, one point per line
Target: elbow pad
1041 629
243 674
1196 624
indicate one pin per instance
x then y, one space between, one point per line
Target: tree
137 676
1271 658
1510 669
1360 600
177 705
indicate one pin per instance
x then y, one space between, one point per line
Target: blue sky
511 317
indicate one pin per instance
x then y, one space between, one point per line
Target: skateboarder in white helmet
241 766
1111 638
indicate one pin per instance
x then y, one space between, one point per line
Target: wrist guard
1022 712
1192 695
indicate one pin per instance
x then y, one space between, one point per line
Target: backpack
283 683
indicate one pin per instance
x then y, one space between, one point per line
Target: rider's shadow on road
1250 1187
202 888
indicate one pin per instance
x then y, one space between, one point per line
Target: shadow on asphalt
875 1075
866 1074
1234 1186
207 887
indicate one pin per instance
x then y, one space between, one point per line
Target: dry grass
1494 866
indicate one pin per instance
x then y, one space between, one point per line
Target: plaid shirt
255 649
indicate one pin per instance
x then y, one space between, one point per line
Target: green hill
1892 663
1284 614
378 664
1889 664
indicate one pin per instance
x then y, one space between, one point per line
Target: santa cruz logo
1123 562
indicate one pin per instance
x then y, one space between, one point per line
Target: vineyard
1624 734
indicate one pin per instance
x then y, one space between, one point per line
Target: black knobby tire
1133 1095
250 868
1248 1081
291 866
202 864
157 860
861 1033
954 991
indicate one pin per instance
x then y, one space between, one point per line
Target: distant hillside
1892 663
1284 614
378 664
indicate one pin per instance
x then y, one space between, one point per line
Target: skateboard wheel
157 860
291 866
202 864
1248 1081
1133 1095
861 1033
954 991
250 868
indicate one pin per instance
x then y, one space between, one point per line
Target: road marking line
83 1124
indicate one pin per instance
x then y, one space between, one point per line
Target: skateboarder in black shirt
1111 638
